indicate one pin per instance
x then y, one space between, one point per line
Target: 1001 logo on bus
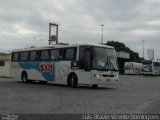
46 68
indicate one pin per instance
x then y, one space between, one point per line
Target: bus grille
108 75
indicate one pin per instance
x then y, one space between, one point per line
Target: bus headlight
116 76
97 75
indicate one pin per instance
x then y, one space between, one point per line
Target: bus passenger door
84 74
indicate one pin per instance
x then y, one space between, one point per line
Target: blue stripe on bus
47 69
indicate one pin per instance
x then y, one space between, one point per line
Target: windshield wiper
105 65
110 63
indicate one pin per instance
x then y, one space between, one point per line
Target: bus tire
157 73
24 77
43 82
72 80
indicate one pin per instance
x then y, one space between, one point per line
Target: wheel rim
24 78
72 81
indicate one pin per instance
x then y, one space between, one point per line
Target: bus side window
75 54
2 63
55 54
44 55
70 54
61 54
24 56
87 59
81 56
15 56
33 55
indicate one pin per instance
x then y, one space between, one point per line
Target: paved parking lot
132 94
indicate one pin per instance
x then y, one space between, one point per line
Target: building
4 65
122 58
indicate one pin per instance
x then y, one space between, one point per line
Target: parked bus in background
132 68
86 64
150 67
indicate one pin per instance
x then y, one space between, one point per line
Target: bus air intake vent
107 75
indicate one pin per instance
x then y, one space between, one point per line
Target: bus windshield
104 59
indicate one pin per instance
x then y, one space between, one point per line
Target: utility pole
143 48
53 37
102 34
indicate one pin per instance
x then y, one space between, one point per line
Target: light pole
143 48
102 34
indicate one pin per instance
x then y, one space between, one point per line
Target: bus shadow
98 88
66 86
151 76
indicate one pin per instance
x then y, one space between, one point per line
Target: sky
24 23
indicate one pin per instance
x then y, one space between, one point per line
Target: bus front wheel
24 77
72 80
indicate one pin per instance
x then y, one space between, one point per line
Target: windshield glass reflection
105 59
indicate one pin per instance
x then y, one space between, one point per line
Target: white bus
150 67
74 65
132 68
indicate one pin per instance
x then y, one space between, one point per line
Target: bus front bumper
106 80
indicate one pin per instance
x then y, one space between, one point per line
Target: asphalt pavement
132 94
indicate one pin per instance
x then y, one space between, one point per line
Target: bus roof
126 63
61 46
150 61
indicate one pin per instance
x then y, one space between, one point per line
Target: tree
119 46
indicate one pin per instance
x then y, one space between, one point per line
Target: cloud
25 23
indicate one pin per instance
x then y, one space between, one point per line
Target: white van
132 68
